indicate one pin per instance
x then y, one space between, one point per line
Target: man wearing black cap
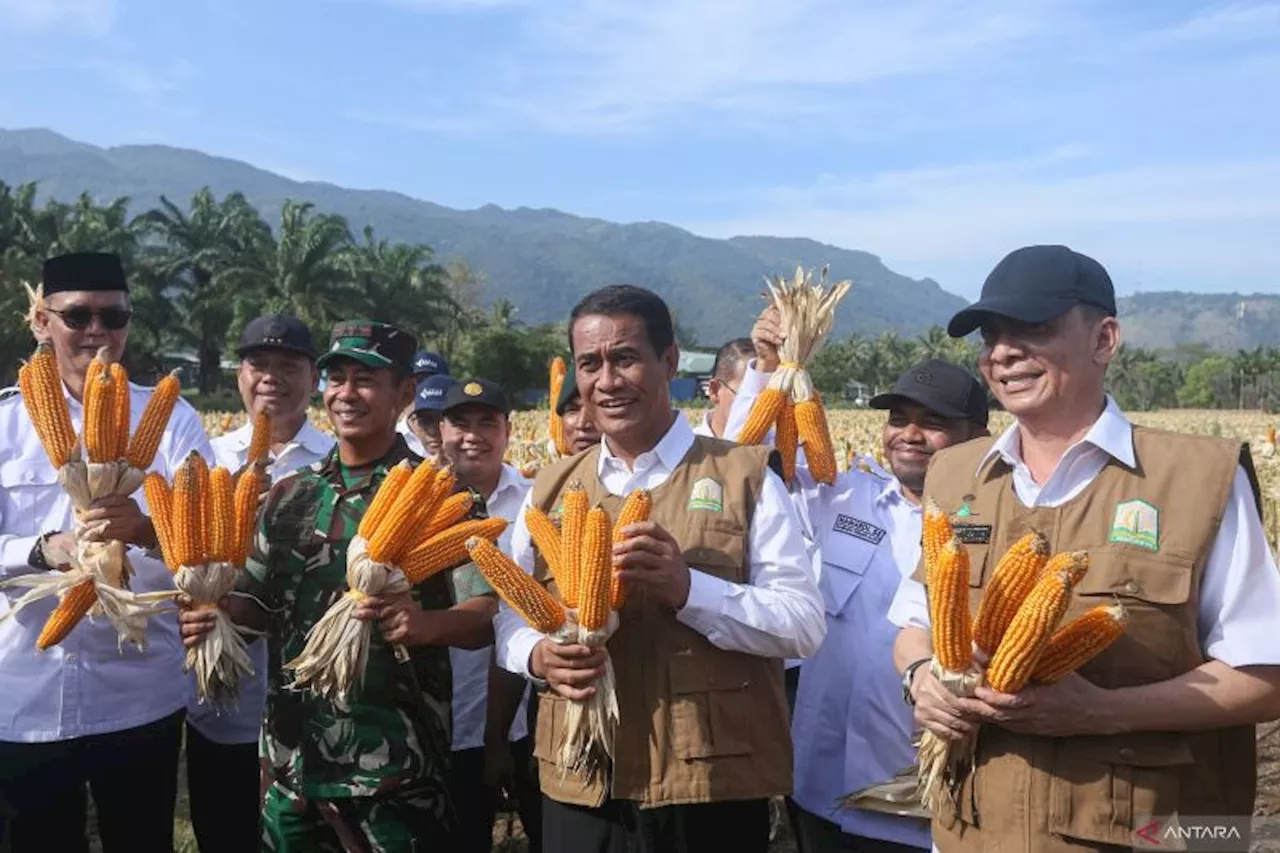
850 727
1162 721
85 712
579 430
373 774
277 375
426 366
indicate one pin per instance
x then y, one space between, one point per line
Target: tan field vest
1148 532
697 724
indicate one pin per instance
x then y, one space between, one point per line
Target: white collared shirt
86 684
241 722
777 613
471 666
402 427
1239 598
704 426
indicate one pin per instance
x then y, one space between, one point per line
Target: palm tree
401 284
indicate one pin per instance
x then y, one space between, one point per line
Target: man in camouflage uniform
372 776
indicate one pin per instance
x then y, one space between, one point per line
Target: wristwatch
907 676
36 558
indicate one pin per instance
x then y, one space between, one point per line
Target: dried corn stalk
806 310
98 463
412 529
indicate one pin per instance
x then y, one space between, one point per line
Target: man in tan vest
1153 739
719 594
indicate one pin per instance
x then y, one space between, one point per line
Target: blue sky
936 134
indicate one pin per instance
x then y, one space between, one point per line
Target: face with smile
1044 371
76 347
911 436
474 438
278 382
625 381
362 401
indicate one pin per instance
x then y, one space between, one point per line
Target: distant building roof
692 361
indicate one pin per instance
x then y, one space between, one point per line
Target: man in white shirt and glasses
86 713
277 375
726 375
719 595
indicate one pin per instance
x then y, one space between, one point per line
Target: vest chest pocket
717 547
1101 790
709 715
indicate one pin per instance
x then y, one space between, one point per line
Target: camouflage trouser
406 822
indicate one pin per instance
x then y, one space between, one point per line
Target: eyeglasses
80 318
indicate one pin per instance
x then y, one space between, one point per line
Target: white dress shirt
402 427
704 426
471 666
777 613
240 723
1240 590
86 684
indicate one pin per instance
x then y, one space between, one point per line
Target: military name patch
1136 523
973 534
858 529
706 494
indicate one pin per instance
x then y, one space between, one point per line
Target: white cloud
92 17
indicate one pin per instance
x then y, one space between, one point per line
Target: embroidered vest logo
706 494
1136 523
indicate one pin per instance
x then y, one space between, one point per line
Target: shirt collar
670 449
510 478
1112 433
331 466
307 435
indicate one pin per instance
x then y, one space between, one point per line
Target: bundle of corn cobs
559 375
1016 632
205 524
579 558
790 403
102 461
415 527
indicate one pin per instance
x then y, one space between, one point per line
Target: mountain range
544 260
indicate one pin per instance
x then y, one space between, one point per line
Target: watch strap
908 675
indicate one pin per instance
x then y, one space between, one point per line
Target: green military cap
371 344
568 391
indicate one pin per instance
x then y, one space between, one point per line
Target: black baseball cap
277 331
941 387
477 392
371 344
568 392
1035 284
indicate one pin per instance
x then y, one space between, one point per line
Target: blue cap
429 364
431 393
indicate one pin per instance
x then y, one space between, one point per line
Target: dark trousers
133 775
223 783
816 834
477 803
619 826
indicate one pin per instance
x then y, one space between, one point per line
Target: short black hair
729 356
619 299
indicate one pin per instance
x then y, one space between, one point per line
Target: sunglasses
80 318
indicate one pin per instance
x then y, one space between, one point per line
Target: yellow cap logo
472 389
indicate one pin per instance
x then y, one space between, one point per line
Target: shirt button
71 657
1132 588
1126 753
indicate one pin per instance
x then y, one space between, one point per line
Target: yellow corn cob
636 509
151 426
388 489
558 378
71 609
260 440
448 548
396 532
1011 582
764 412
516 587
949 608
442 488
1023 644
160 505
42 394
936 532
222 521
451 510
121 413
1080 641
542 530
811 424
248 488
786 439
596 571
1074 563
188 546
99 412
206 509
573 519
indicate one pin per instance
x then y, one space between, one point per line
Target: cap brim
1025 309
887 399
368 359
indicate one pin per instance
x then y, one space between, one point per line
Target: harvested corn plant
413 529
94 465
806 310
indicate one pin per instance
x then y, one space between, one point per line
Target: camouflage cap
371 344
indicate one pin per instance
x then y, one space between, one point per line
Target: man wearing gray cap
1162 721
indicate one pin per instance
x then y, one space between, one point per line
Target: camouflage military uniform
377 771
